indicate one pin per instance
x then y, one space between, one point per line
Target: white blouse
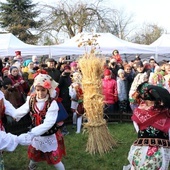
8 141
42 143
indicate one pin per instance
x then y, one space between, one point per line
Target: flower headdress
45 81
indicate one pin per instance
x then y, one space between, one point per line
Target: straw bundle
99 139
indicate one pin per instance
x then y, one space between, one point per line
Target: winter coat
122 89
109 88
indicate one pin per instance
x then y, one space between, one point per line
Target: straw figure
99 139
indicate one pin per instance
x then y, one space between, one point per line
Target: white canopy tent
162 44
9 44
107 42
162 47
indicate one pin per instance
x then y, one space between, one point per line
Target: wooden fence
25 123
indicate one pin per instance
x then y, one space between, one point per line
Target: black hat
154 93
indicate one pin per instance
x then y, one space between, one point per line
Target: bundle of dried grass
99 139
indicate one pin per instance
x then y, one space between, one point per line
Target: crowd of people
138 86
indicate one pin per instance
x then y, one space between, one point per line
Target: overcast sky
149 11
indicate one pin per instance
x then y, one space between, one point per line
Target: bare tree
118 24
148 34
74 18
71 17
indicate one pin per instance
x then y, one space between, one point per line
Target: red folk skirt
53 157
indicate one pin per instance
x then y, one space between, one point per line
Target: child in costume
151 120
76 94
47 144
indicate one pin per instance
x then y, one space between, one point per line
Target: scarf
158 118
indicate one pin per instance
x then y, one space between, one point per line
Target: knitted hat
73 64
107 72
77 77
34 57
120 71
39 71
12 67
17 53
5 69
67 67
26 63
45 81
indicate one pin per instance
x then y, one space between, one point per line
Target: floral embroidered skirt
53 157
148 158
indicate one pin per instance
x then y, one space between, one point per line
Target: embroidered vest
152 137
38 116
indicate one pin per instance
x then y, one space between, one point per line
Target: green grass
77 158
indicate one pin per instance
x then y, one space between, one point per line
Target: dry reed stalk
99 139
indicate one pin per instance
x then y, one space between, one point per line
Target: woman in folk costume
151 119
47 144
76 94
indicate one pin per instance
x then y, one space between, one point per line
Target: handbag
62 113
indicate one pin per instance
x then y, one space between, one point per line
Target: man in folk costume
8 141
151 120
47 144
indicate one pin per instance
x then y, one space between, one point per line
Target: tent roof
162 45
9 44
9 40
106 43
162 41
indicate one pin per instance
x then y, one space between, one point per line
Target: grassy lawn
77 158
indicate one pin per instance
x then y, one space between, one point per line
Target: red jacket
109 87
118 58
